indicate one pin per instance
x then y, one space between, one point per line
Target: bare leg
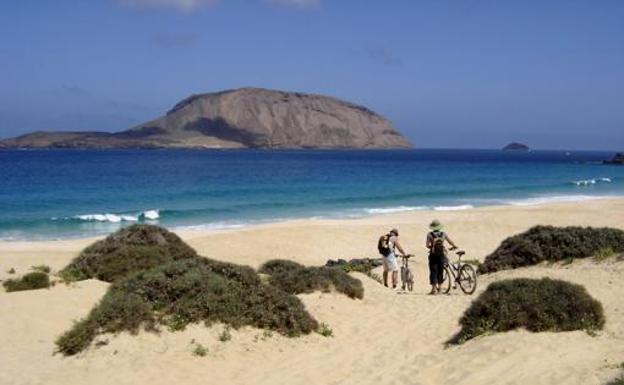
395 278
385 278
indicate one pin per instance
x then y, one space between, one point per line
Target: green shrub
187 291
30 281
41 268
617 381
200 350
279 266
325 330
11 271
548 243
311 279
131 249
537 305
603 254
364 268
294 278
225 335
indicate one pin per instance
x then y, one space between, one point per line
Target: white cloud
193 5
181 5
295 3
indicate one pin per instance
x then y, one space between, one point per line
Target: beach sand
386 338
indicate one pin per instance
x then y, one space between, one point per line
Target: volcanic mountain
241 118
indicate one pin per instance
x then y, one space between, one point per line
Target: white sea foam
554 199
151 214
215 226
591 182
390 210
453 208
117 218
100 218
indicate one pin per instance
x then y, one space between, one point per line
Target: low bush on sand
537 305
366 269
325 330
617 381
200 350
41 268
548 243
30 281
279 266
187 291
297 279
131 249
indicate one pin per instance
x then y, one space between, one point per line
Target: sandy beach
388 337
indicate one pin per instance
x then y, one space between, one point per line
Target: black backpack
383 245
437 244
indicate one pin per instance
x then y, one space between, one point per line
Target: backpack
437 244
383 245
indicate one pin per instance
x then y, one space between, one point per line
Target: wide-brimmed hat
435 225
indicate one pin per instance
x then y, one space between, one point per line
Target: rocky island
241 118
617 159
515 146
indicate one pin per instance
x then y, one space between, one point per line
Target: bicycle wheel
445 285
410 280
403 278
467 279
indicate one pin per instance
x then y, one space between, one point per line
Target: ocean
58 194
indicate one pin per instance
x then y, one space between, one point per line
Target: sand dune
386 338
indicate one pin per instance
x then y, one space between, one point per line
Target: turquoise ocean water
59 194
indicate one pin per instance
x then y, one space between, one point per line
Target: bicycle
463 274
407 277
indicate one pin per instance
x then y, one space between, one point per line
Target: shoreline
365 213
313 241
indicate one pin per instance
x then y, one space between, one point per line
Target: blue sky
471 74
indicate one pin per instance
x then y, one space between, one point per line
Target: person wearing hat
437 254
389 259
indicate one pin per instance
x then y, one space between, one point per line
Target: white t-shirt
392 242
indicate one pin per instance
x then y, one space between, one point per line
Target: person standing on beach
387 245
437 254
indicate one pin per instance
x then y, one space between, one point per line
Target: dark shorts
436 269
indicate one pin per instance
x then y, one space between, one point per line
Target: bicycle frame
407 277
463 274
454 268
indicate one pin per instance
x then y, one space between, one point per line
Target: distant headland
241 118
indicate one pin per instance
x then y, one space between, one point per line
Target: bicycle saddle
461 252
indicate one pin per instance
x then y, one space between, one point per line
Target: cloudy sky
469 74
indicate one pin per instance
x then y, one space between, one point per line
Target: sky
447 74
